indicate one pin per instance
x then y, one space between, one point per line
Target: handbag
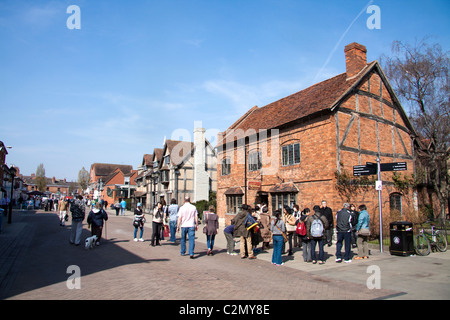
364 232
166 232
290 219
282 233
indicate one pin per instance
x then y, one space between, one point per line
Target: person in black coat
327 212
95 218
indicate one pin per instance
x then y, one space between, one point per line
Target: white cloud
43 16
243 97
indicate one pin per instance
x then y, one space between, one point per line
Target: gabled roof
157 154
178 150
105 169
147 160
324 96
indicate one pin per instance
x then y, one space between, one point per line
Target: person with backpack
315 228
344 229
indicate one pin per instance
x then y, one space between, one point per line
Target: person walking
138 222
173 217
211 228
188 224
62 209
95 219
117 207
157 224
278 228
78 214
328 213
363 232
344 235
316 225
241 231
165 223
123 205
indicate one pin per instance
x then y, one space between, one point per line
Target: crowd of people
306 229
286 229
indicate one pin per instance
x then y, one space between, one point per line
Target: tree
419 74
41 182
83 179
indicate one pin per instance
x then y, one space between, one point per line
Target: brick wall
365 124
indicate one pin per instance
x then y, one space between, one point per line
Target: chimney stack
201 177
355 58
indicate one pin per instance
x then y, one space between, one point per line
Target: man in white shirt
188 222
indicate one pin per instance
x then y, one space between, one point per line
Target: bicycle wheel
441 242
422 245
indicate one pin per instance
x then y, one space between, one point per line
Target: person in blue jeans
188 223
344 234
211 227
320 240
278 228
173 216
123 205
139 217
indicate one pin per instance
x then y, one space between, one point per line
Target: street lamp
12 172
155 176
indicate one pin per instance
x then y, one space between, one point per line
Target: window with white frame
290 154
279 200
234 202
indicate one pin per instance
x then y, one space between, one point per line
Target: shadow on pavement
49 254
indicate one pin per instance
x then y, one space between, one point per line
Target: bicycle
425 241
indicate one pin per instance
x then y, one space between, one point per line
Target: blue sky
138 71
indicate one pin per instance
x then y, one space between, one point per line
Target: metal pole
11 198
379 204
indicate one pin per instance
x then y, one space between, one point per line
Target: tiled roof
312 100
178 150
148 160
105 169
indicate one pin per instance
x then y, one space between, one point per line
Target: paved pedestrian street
38 263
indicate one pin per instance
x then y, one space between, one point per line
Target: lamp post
154 175
12 172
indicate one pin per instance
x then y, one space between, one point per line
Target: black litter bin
402 239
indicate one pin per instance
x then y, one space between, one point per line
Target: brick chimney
355 58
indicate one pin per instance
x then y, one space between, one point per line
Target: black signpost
371 168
